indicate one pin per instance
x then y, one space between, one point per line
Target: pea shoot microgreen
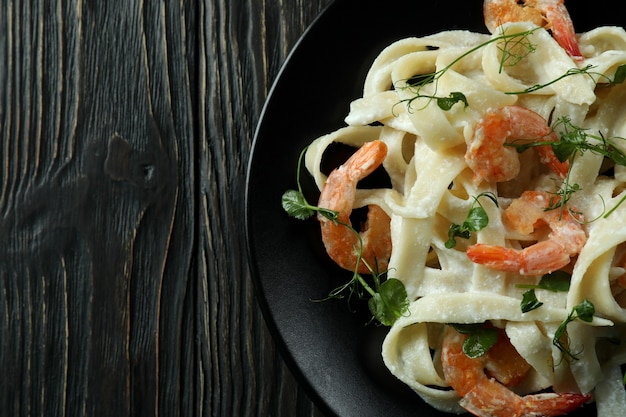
480 338
296 205
583 311
389 302
573 142
557 281
572 71
618 78
515 48
511 56
619 203
388 299
576 140
620 75
476 220
530 301
444 103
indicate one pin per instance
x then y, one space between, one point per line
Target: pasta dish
497 250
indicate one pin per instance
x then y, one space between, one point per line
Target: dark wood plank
95 190
251 41
125 129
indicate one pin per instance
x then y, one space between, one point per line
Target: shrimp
485 395
490 160
566 238
551 14
338 194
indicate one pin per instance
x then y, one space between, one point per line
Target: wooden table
125 128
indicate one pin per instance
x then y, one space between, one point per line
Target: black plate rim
286 355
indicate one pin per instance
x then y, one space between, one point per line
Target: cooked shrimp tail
549 158
484 395
565 240
551 14
338 194
562 27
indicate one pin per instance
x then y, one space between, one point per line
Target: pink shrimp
485 395
338 194
524 215
551 14
490 160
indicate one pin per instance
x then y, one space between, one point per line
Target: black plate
327 346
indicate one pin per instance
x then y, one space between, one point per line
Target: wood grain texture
125 130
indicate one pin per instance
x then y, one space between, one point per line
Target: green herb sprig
583 311
574 141
557 281
530 301
510 57
296 205
480 338
618 78
572 71
476 220
515 48
388 298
